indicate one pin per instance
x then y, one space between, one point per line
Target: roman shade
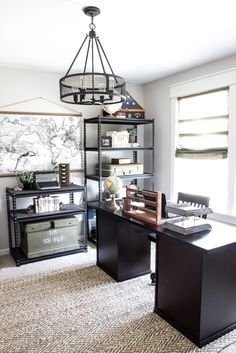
203 125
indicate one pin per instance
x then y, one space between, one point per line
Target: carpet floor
69 305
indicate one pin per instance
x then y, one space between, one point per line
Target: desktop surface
220 234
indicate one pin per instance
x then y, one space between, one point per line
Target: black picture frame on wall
106 141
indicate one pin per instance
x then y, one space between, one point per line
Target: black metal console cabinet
99 122
17 215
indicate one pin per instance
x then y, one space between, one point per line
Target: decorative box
121 169
38 239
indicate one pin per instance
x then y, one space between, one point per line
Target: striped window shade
203 125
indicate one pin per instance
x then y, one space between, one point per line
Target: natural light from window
201 166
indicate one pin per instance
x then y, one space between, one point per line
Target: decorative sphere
112 184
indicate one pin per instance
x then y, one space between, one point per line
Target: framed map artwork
53 138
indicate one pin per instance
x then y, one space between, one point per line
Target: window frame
199 85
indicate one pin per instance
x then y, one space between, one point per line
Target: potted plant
27 179
132 134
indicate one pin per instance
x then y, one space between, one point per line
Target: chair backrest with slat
195 200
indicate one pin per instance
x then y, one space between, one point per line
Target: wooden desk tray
144 205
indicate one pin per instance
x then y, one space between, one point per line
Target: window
214 174
201 156
203 126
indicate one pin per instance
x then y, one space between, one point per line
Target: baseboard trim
4 252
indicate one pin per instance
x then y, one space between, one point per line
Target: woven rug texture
69 305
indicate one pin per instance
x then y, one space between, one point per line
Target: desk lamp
26 154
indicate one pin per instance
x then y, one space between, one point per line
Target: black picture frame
106 141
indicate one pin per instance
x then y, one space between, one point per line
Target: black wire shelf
95 149
133 176
120 121
21 259
21 215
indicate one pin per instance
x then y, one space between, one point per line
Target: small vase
131 138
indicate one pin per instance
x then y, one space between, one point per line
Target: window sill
223 218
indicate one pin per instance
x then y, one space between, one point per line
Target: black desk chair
195 200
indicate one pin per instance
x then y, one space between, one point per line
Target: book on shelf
46 204
120 160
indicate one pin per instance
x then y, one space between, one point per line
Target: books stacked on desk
190 221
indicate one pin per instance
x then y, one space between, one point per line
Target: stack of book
46 204
119 138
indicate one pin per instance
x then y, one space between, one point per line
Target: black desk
196 282
123 248
196 274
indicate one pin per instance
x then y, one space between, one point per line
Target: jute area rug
69 305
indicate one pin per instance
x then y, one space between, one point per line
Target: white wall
22 85
157 104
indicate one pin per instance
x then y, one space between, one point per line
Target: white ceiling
144 40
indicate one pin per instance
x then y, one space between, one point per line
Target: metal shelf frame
16 216
99 121
117 121
134 176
